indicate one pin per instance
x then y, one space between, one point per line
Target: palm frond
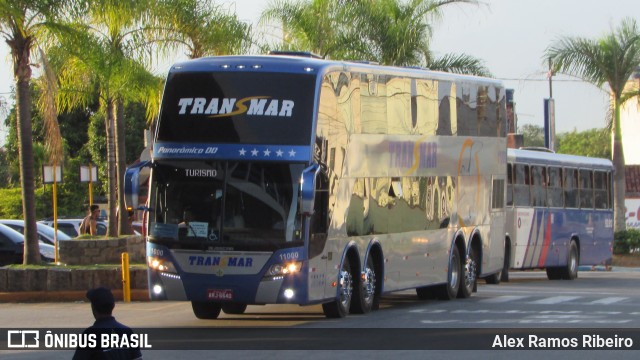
460 64
47 104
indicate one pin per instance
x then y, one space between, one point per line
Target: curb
65 296
608 268
595 268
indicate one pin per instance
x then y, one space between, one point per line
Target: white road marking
554 300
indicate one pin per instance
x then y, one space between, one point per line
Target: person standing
90 223
102 304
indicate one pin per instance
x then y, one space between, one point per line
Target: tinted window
254 108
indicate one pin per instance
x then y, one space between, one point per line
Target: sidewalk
607 268
64 296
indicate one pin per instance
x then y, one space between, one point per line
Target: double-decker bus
284 179
559 212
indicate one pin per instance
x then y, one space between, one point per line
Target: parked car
71 227
45 232
12 247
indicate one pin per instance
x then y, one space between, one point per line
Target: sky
510 36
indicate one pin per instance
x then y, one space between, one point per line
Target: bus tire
366 296
339 307
449 290
234 308
554 273
426 292
503 274
469 275
570 272
205 309
494 279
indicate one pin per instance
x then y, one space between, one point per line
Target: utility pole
550 115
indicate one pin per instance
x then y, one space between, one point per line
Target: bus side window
586 189
554 190
570 188
522 194
509 184
600 189
538 188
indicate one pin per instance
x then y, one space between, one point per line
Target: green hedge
626 241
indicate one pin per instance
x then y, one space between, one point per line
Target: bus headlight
285 269
161 265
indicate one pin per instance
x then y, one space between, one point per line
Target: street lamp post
50 175
89 173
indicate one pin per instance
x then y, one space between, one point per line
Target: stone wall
82 252
65 279
102 251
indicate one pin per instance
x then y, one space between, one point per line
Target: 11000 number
290 256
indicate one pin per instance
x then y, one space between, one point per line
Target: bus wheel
469 275
365 298
502 275
554 273
234 308
570 272
426 292
205 309
449 290
339 307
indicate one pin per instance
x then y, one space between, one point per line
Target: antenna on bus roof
296 53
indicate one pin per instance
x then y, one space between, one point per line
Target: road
597 303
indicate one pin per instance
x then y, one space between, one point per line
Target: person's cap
101 297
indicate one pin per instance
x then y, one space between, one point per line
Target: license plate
220 294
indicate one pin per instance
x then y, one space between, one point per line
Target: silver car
45 233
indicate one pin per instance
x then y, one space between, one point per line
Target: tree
318 26
71 193
21 24
101 58
203 28
533 135
594 143
390 32
609 60
396 32
458 63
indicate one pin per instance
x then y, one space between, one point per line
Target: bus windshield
239 206
237 107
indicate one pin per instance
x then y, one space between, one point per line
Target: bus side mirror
132 184
308 189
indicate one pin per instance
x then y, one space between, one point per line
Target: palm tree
100 59
318 26
21 25
458 63
391 32
397 33
202 28
609 60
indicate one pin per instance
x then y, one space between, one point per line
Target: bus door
314 203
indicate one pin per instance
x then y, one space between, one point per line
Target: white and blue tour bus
296 180
559 212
